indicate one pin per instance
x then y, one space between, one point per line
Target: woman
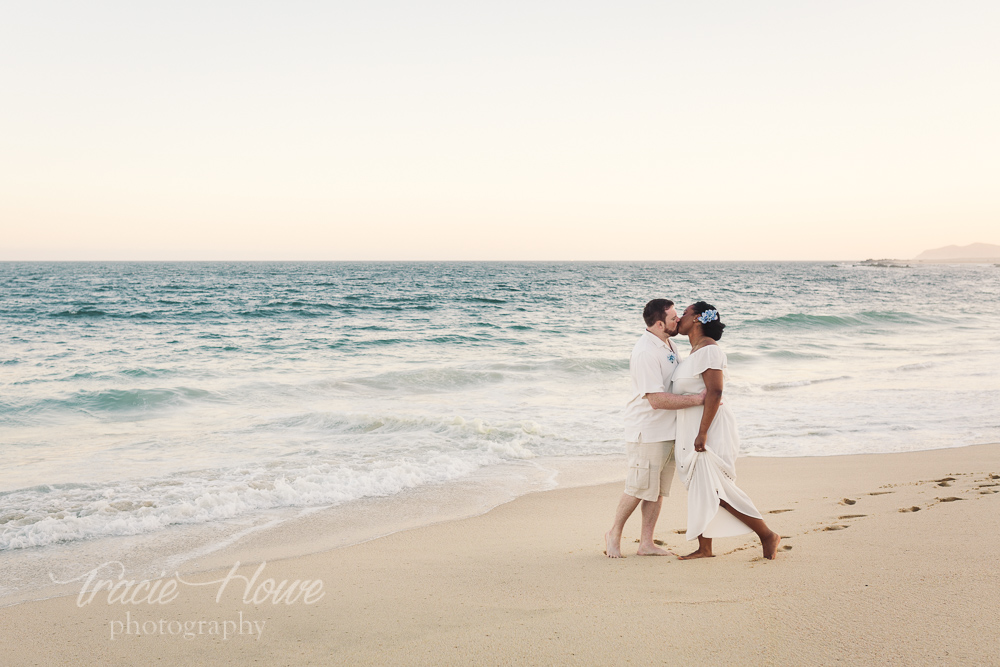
707 442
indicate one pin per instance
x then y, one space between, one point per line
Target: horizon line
565 261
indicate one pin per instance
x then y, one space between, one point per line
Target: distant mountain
974 251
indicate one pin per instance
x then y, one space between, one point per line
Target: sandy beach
886 559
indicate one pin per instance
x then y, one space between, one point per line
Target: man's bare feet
770 545
700 553
653 550
613 545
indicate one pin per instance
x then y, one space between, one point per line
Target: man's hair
656 311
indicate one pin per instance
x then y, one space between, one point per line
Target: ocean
160 412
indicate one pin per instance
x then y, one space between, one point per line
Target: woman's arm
713 399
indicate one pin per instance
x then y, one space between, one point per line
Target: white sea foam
67 514
774 386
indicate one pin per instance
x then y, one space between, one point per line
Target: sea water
141 400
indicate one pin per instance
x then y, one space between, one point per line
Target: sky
378 130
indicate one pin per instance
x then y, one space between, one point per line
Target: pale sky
504 130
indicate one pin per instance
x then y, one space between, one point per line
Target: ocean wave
454 338
84 312
589 365
89 312
377 342
388 306
775 386
429 379
111 374
750 388
146 372
791 354
118 401
483 299
278 312
446 378
807 321
66 515
456 428
916 367
50 514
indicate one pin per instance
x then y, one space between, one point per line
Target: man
649 427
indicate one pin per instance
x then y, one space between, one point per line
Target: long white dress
710 475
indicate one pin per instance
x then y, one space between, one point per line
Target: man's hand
699 442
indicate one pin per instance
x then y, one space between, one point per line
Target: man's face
670 323
687 321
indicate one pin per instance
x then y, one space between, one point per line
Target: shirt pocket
638 474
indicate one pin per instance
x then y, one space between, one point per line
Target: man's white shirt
651 366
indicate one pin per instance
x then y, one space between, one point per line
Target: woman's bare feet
704 549
770 545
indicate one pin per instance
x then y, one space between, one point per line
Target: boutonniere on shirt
671 358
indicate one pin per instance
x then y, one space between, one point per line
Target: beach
331 334
885 558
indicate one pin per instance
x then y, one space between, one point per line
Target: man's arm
664 401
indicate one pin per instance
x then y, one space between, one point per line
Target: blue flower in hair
708 316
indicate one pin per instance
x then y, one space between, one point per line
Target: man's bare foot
653 550
613 546
770 545
697 554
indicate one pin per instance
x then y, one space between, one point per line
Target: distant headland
975 253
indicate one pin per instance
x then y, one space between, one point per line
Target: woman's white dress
710 475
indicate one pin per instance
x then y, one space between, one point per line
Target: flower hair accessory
708 316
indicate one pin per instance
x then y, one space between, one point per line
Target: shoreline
314 531
290 532
526 582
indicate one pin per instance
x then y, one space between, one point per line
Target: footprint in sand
785 548
851 516
994 476
880 493
983 486
847 501
835 527
986 492
681 531
944 483
945 479
910 509
949 499
780 511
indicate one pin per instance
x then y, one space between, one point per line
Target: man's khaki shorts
650 469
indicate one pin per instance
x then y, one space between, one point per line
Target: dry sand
863 580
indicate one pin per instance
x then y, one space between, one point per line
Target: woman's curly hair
711 329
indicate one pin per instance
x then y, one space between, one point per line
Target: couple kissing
675 421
